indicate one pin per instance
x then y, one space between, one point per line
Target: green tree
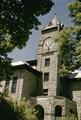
13 110
75 14
70 41
17 19
75 11
71 117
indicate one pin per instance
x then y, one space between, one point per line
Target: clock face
48 43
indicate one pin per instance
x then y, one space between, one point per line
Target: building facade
38 80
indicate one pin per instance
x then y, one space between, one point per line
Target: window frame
45 92
46 76
58 111
14 84
47 62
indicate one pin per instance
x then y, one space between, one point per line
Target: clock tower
48 58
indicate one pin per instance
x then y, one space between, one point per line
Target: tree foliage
70 50
17 19
75 11
70 41
13 110
71 117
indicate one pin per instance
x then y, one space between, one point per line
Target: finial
55 13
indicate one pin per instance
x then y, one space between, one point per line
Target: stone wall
53 82
28 84
50 103
17 94
75 87
32 85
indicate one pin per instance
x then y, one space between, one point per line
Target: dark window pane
14 84
45 92
47 62
46 76
58 111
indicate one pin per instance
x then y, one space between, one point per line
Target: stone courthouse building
38 81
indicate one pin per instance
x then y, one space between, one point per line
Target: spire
55 21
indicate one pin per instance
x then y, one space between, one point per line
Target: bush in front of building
13 110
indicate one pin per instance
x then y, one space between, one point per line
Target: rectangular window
14 84
45 92
47 62
46 76
7 84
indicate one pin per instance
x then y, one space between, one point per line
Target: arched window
40 112
58 111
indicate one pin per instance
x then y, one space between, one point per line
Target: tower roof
55 21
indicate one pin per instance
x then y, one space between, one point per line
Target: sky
29 52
